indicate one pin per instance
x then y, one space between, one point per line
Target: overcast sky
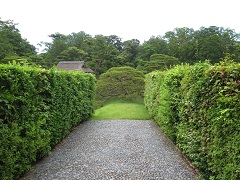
128 19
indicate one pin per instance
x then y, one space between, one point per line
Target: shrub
37 109
120 83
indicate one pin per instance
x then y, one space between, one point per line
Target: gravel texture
114 149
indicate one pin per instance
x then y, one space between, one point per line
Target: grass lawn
121 110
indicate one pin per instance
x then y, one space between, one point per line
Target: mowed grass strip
121 110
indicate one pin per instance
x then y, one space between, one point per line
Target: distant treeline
182 45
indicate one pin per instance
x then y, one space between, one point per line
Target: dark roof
74 65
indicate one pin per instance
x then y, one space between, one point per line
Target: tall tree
145 51
103 52
58 44
73 54
12 43
115 41
236 54
157 62
128 56
182 44
214 42
160 44
103 55
78 39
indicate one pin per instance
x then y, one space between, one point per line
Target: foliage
128 54
162 97
157 62
151 92
182 44
120 83
198 107
206 43
11 42
214 42
73 54
37 109
54 49
185 44
121 110
101 53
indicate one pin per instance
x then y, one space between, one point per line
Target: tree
103 52
12 43
160 45
103 55
115 41
120 83
78 40
157 62
128 56
214 42
73 54
182 44
236 55
145 51
58 45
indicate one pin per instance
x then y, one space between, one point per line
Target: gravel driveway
114 149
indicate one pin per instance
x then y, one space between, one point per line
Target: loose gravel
114 149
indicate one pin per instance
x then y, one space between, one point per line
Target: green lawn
121 110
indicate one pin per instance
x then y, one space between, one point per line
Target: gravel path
114 149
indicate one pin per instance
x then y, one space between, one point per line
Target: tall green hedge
198 108
37 109
162 96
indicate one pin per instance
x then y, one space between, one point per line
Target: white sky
128 19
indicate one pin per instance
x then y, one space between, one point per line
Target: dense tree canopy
12 45
73 54
213 42
185 44
101 52
157 62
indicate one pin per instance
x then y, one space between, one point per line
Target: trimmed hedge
162 96
38 108
198 108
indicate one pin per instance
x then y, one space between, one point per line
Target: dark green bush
37 109
120 83
198 108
